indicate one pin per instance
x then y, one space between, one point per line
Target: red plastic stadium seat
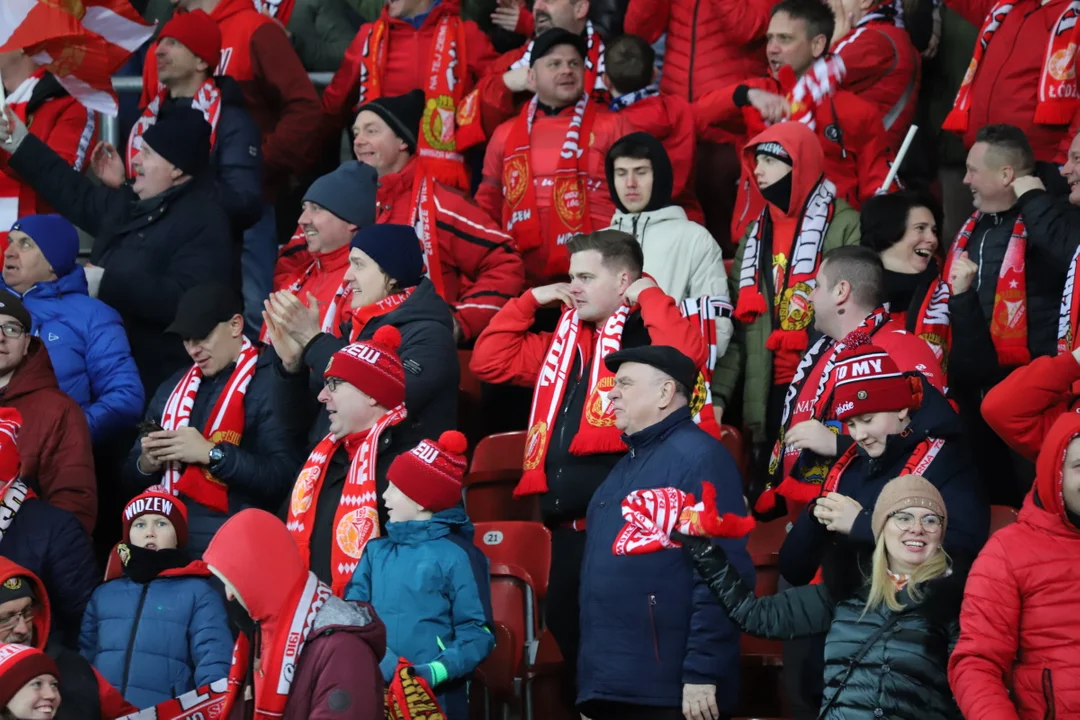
493 474
114 568
1000 516
732 438
470 404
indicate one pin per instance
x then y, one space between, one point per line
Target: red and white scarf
652 515
436 143
806 489
330 315
815 86
1069 314
356 520
796 280
597 432
207 100
362 316
1009 324
280 10
570 204
920 459
11 500
933 323
225 424
703 313
1058 95
424 216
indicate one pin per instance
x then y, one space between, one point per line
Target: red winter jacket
255 51
1022 407
850 130
507 353
54 441
670 120
1017 656
323 282
548 134
883 68
1006 86
408 62
480 268
711 44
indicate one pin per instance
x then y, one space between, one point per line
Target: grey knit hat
348 192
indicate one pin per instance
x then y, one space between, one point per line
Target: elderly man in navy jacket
654 643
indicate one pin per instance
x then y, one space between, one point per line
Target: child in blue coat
161 628
426 579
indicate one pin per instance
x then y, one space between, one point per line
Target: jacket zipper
693 49
1048 694
652 622
982 244
131 640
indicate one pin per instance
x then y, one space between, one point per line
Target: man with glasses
54 441
210 433
337 503
24 619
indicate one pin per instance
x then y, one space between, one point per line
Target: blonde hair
882 588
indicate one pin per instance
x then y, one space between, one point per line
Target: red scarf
652 515
424 214
597 432
1069 314
14 493
280 10
436 144
933 323
1009 325
225 424
703 313
570 216
356 520
921 457
385 306
795 274
410 697
816 85
806 489
15 198
207 99
1058 96
330 316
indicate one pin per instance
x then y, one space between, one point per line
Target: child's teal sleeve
471 620
359 587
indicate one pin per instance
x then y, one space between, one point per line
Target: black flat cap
553 38
664 358
202 308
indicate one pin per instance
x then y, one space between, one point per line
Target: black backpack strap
857 658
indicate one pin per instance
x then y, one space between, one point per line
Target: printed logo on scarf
469 108
516 179
796 311
570 201
535 445
598 411
1062 65
303 490
438 123
355 529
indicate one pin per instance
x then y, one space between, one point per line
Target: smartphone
148 426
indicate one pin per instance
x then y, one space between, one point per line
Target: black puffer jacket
259 471
427 351
903 673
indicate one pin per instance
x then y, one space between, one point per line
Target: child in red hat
426 578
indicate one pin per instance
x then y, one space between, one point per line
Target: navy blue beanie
57 238
396 249
183 138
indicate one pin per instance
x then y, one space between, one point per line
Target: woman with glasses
887 643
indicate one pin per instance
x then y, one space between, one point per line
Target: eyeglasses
12 330
931 524
7 622
333 383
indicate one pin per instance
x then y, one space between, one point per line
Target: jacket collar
398 186
657 432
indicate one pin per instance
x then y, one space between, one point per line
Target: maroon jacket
54 442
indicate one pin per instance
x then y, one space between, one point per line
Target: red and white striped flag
81 42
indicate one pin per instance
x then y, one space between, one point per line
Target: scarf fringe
213 493
751 305
785 340
798 491
598 444
533 482
451 174
1013 357
766 501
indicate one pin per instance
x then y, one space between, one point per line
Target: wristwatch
216 454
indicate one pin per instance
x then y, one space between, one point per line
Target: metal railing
109 128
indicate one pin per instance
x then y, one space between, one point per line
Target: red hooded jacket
1022 408
54 441
113 704
408 64
1006 87
1017 657
850 130
711 44
337 675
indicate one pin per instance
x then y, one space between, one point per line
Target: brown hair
619 250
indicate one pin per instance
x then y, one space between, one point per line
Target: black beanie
183 138
663 176
402 113
775 150
16 587
396 250
554 37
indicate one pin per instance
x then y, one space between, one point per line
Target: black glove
709 559
698 547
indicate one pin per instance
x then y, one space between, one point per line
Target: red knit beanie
10 460
19 664
158 501
197 32
430 474
372 367
868 381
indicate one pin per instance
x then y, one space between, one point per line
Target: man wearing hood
303 653
850 129
1016 656
801 219
25 618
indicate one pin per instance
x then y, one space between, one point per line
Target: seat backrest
1000 516
114 567
494 501
526 545
732 438
501 451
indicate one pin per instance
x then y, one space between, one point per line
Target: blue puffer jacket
89 352
430 585
156 640
649 623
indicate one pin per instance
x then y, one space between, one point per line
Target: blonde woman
887 645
